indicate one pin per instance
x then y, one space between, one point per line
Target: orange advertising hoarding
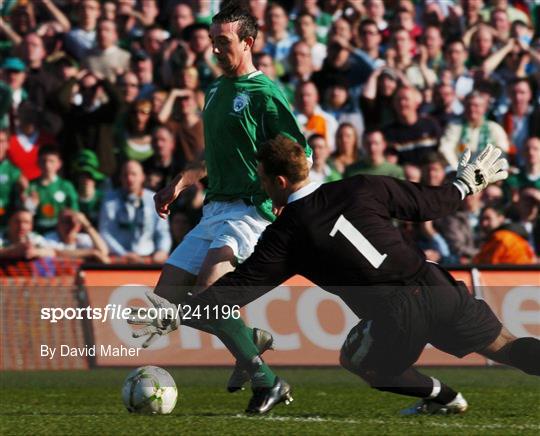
308 324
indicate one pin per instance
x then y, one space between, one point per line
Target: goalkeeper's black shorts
436 309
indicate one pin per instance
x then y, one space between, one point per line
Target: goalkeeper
340 235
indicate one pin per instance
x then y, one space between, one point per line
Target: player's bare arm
191 175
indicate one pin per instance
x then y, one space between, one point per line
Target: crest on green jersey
240 101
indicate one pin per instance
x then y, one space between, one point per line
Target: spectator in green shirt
11 183
49 194
89 180
375 162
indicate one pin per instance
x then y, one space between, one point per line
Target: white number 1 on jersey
359 241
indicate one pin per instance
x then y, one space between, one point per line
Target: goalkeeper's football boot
430 407
239 377
265 399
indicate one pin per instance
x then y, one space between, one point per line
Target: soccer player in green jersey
243 108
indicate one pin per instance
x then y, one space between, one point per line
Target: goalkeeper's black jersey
340 236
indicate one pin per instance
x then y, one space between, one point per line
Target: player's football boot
265 399
239 377
430 407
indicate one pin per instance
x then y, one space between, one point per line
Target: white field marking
405 420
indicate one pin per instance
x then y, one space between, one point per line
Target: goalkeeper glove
475 175
166 319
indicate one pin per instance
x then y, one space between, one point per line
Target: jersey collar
303 192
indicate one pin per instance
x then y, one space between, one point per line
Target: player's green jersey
239 115
9 176
53 198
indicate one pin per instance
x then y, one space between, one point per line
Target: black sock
524 354
415 384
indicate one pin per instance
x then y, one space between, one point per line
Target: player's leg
380 359
244 343
474 327
174 283
521 353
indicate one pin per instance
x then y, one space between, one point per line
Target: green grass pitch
326 401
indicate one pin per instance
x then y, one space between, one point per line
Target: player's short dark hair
282 156
49 149
237 10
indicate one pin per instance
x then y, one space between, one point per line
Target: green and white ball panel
149 390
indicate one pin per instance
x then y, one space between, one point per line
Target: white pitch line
318 419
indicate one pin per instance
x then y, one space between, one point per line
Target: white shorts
233 224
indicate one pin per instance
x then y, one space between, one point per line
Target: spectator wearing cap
306 29
14 74
311 117
80 40
76 238
89 181
49 194
11 184
20 242
375 162
474 131
412 135
107 59
322 170
505 243
25 142
128 221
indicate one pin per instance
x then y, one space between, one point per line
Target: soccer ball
149 390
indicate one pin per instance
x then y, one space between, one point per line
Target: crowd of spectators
101 100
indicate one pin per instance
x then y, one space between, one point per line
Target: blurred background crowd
100 106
